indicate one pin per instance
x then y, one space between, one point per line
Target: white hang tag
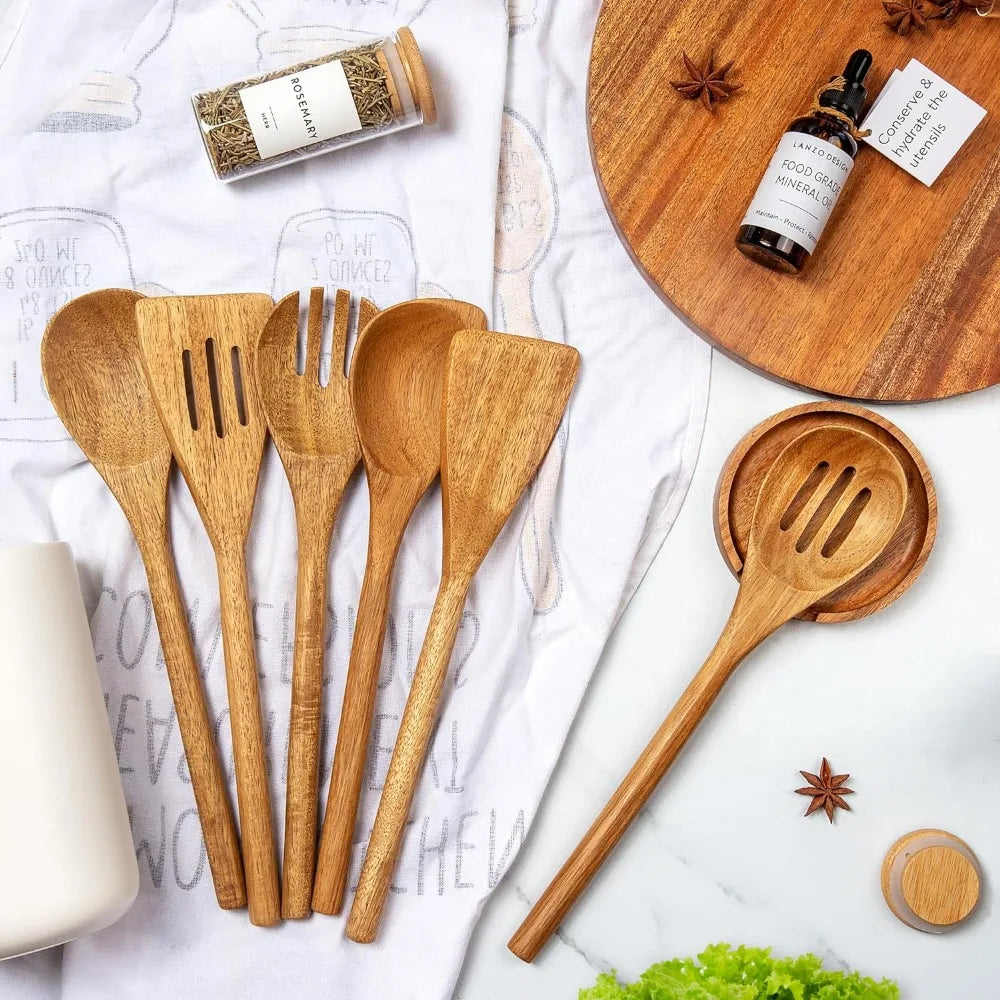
920 121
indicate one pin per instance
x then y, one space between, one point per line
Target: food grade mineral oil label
800 187
301 108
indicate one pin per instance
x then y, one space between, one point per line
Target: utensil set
140 381
827 510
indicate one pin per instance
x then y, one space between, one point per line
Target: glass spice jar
312 107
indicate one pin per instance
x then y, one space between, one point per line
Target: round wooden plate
895 570
901 301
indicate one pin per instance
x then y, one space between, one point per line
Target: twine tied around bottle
837 83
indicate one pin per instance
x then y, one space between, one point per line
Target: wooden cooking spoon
395 382
312 427
93 373
198 355
827 509
503 399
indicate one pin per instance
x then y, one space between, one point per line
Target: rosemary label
301 108
800 188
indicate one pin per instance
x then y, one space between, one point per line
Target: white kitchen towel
110 186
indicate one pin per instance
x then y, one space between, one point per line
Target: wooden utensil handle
302 792
407 761
333 863
208 781
250 756
757 613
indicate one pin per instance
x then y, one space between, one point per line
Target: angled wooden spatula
312 426
197 352
503 399
397 373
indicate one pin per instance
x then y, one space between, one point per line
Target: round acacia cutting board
901 300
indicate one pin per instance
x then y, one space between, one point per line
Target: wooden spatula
828 508
397 372
503 399
198 353
312 426
93 372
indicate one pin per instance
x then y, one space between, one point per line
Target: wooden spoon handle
259 860
302 791
407 761
754 617
207 778
334 860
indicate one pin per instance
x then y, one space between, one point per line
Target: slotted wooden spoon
503 399
829 506
312 426
93 373
395 382
197 352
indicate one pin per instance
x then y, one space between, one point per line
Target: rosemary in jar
312 107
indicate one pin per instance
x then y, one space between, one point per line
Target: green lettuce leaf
722 972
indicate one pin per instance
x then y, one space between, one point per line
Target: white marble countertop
907 700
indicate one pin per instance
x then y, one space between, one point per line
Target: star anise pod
905 15
948 10
707 82
827 790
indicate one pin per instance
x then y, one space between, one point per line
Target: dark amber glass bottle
806 176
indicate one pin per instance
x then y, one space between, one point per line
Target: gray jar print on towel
369 253
526 222
109 100
47 257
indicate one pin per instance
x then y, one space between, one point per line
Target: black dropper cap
851 99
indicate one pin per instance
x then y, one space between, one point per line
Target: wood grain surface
931 880
198 355
503 399
831 502
901 301
903 559
311 421
93 372
397 372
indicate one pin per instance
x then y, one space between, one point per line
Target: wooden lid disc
416 74
931 880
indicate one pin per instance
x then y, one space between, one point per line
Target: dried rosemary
313 106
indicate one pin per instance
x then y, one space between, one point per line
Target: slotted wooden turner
829 506
198 352
93 372
503 399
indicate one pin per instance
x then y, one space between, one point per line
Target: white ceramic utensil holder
67 864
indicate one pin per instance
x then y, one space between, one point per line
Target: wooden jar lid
931 880
416 74
891 573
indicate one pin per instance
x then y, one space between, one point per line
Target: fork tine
341 319
314 334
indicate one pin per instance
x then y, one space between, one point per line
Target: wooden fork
312 427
